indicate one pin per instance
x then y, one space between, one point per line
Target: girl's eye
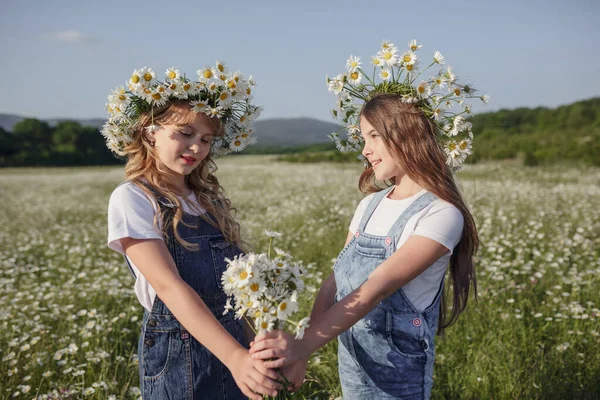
185 133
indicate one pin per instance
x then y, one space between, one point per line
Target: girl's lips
188 160
375 163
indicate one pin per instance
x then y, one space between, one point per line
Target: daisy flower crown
217 93
441 98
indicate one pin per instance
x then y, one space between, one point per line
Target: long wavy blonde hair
143 164
410 138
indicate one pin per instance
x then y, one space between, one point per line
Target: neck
179 182
405 188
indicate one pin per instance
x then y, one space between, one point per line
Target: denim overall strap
419 204
377 197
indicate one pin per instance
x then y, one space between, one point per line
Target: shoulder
442 222
442 209
129 195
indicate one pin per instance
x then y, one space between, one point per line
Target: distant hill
276 132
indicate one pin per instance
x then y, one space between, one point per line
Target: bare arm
412 258
154 261
326 296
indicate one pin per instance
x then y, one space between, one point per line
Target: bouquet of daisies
264 290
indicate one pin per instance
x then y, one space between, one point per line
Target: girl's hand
295 374
279 345
252 376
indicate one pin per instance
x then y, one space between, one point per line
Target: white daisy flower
438 58
301 327
158 96
354 77
220 66
408 58
438 113
212 86
411 69
119 98
237 144
214 111
385 74
375 61
172 74
388 56
199 106
335 85
206 73
272 234
485 98
147 76
386 44
423 89
353 63
413 45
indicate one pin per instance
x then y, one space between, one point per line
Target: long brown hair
410 137
143 164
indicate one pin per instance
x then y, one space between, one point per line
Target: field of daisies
69 318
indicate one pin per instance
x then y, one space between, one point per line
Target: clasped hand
279 349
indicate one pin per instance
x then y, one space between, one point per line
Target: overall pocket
157 352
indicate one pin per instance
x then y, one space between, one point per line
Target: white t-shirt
439 221
131 214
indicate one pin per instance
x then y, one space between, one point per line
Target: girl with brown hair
386 298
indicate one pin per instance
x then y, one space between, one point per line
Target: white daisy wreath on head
441 98
217 93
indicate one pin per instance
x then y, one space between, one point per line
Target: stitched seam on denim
166 367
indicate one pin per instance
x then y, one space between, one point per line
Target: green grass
534 333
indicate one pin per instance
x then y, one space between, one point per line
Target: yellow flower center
457 91
244 135
231 84
409 67
236 78
354 75
421 89
147 91
452 146
223 96
254 287
222 77
122 98
376 61
242 118
220 67
354 64
173 86
135 78
207 74
385 74
147 77
213 87
463 145
406 58
187 87
156 96
385 46
238 143
283 306
161 89
387 55
172 74
264 325
248 91
243 275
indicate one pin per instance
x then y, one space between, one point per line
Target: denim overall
172 364
389 353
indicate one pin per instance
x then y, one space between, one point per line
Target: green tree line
35 143
535 135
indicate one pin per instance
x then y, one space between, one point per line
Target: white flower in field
285 308
272 234
562 347
485 98
301 327
375 61
353 63
538 315
88 391
335 85
510 301
78 372
47 374
25 347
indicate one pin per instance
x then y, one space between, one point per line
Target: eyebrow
369 132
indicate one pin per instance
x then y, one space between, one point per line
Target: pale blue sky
61 58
